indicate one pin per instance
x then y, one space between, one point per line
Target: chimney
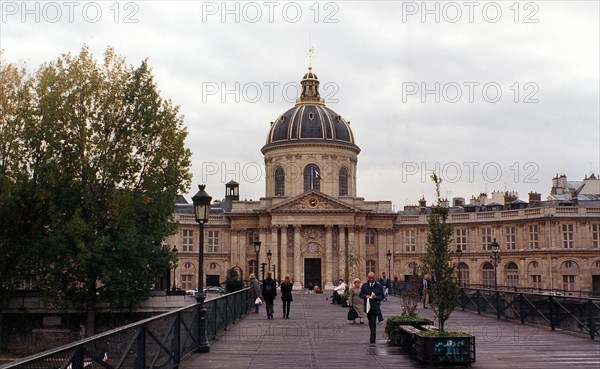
534 196
574 198
422 205
458 202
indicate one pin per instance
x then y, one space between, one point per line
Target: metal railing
576 314
158 342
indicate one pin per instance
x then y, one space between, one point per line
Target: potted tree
441 346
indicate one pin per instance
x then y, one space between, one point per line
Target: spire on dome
310 88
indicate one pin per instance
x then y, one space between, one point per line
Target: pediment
313 201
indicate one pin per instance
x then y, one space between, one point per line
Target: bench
409 329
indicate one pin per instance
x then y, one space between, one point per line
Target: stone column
274 246
297 259
341 251
352 250
328 258
283 251
264 246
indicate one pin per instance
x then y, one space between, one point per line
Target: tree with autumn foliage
91 161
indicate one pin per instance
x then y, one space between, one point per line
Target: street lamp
174 265
494 259
389 257
459 254
257 244
201 202
269 256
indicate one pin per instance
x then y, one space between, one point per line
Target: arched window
343 181
488 275
569 271
463 274
535 274
279 182
312 178
512 275
370 266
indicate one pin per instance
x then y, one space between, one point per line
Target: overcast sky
517 83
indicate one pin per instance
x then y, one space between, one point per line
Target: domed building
312 225
310 221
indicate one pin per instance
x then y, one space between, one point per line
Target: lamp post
459 254
389 257
174 265
494 259
201 202
257 244
269 256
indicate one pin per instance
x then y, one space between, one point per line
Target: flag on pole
316 174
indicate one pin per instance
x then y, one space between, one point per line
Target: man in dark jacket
269 291
373 292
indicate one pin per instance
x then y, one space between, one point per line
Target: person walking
269 291
355 301
426 286
286 295
372 293
254 291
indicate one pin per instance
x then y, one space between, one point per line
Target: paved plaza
317 335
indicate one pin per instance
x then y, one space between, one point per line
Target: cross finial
311 51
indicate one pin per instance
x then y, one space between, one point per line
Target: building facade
317 229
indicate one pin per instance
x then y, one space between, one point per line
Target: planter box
398 337
445 350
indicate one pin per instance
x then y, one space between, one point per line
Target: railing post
552 313
521 312
77 360
226 312
591 318
177 340
497 304
140 349
215 308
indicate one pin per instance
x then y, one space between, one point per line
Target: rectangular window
213 241
536 281
596 236
486 238
568 236
569 282
410 240
533 236
461 238
511 237
370 237
253 236
187 240
186 281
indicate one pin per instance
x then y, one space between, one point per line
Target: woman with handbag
356 302
255 292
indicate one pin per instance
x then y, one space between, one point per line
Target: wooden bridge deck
317 335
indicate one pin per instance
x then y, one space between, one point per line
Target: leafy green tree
233 281
104 161
444 290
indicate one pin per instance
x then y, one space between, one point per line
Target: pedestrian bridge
317 335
